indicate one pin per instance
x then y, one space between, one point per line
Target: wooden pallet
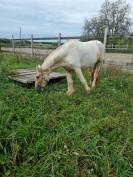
27 76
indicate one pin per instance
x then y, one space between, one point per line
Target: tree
114 15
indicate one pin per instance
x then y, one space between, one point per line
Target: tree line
112 14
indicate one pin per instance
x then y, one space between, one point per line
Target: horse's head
41 78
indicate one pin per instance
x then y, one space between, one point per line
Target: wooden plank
25 73
50 38
26 76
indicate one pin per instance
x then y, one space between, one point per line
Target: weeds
52 135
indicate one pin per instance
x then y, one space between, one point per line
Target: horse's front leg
70 83
82 79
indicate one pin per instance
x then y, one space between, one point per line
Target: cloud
46 17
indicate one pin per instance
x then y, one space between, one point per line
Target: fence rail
50 38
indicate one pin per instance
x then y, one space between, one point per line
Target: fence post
105 37
20 37
32 45
59 39
127 46
13 44
112 46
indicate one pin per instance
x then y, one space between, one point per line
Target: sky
44 18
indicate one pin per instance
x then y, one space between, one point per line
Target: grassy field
52 135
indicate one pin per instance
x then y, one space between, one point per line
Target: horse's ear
38 68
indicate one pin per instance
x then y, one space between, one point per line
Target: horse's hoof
88 92
69 93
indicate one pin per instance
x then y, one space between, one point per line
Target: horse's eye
37 77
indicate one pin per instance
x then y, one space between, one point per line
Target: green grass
52 135
9 63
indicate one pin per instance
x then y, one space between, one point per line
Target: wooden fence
59 39
31 43
32 48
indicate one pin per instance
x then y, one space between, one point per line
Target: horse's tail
102 53
101 56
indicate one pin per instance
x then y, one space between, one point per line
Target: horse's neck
52 61
47 64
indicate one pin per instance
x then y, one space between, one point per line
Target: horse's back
83 53
92 46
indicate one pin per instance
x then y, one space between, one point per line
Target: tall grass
52 135
9 63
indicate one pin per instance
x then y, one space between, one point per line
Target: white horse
72 56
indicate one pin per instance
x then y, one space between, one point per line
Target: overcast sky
47 17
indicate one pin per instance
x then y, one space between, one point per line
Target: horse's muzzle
39 88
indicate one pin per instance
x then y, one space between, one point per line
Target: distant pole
59 39
105 37
32 45
13 44
20 35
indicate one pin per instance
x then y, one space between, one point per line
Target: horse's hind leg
82 79
90 71
94 78
95 74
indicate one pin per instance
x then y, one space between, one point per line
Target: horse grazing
72 56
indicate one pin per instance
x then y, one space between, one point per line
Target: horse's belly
87 62
88 56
